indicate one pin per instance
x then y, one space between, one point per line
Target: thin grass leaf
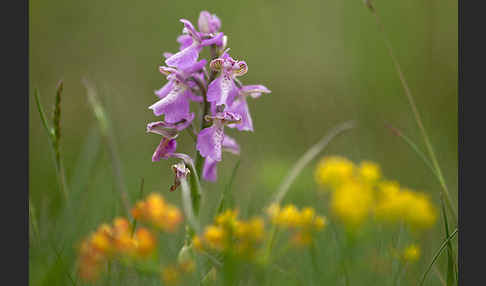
85 161
54 142
413 106
33 221
134 223
439 275
436 255
49 130
414 147
451 269
109 137
56 120
225 199
451 273
308 156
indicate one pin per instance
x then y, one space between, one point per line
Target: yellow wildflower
352 203
155 210
369 172
333 171
215 237
145 242
420 213
319 223
197 243
288 217
411 253
411 207
171 275
227 218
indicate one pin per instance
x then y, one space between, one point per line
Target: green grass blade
415 112
40 108
414 147
436 255
140 194
109 137
227 201
33 221
53 139
308 156
451 273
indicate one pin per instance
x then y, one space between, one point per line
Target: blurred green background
325 62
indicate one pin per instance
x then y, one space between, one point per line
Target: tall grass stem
109 137
308 156
415 111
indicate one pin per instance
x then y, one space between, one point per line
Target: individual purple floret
240 106
189 54
169 132
210 139
180 171
223 89
209 172
208 23
176 94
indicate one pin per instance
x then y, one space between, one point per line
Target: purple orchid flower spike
210 139
180 171
169 133
210 171
223 89
240 106
189 54
176 93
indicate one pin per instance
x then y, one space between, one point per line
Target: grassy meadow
326 62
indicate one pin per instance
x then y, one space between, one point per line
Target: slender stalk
415 112
109 137
134 223
53 135
436 255
224 196
188 207
308 156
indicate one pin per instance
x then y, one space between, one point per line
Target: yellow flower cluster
172 274
111 240
411 253
396 204
229 233
155 210
360 191
303 223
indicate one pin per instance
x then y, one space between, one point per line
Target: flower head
352 203
155 210
411 253
333 171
